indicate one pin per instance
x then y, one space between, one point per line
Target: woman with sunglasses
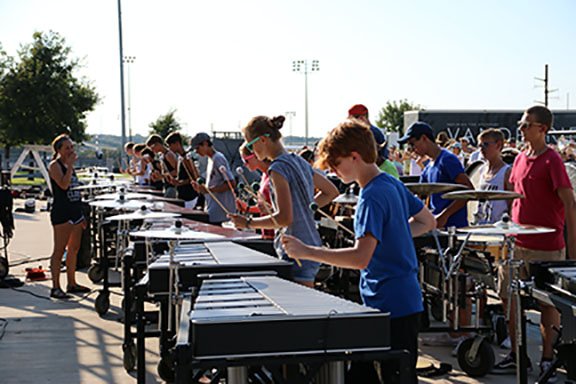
293 182
66 216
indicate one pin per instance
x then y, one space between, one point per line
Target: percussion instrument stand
481 213
514 288
174 299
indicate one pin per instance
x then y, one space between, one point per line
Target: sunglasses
527 124
249 146
486 144
245 159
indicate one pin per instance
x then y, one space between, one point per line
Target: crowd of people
387 215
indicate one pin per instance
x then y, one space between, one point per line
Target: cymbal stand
174 299
514 288
481 213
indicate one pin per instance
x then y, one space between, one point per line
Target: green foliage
39 95
391 117
165 124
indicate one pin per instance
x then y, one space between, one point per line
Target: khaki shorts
527 255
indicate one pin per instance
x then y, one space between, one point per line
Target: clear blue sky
221 62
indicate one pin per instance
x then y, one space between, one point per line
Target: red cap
358 109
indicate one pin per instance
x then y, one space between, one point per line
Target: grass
24 180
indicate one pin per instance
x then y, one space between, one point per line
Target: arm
357 257
508 186
567 196
61 178
327 189
422 222
451 209
283 216
171 159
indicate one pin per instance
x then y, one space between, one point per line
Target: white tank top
493 209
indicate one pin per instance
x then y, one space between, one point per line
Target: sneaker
507 366
442 340
544 366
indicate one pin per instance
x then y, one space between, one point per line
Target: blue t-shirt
300 177
390 281
444 170
214 179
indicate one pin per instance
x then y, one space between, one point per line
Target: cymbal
482 195
121 204
106 184
426 189
127 196
143 214
182 233
509 228
346 198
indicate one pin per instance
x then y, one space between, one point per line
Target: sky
219 63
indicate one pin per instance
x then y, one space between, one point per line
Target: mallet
240 171
222 169
201 181
314 207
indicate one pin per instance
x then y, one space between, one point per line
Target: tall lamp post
121 74
301 66
129 60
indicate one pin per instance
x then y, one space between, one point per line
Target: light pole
290 115
121 74
129 60
302 67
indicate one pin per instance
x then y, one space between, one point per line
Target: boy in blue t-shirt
387 217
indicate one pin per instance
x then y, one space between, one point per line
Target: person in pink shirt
540 176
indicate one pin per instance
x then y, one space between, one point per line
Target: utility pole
545 80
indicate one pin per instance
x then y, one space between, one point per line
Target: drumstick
315 208
201 181
240 171
222 169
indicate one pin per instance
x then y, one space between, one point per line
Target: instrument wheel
476 364
102 303
3 267
95 273
166 369
130 357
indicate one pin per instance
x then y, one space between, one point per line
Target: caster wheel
95 273
476 357
102 303
166 369
3 268
130 357
436 308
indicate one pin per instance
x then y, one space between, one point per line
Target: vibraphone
555 285
263 322
192 259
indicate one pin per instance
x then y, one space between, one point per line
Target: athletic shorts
527 255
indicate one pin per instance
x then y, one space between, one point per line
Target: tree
391 117
165 124
40 97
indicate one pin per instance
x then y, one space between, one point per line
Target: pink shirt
265 192
538 179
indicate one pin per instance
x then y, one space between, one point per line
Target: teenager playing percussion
387 217
293 183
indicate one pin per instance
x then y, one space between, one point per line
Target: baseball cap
199 139
416 130
358 109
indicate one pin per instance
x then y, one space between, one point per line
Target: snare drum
493 244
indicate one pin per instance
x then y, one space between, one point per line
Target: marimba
266 321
